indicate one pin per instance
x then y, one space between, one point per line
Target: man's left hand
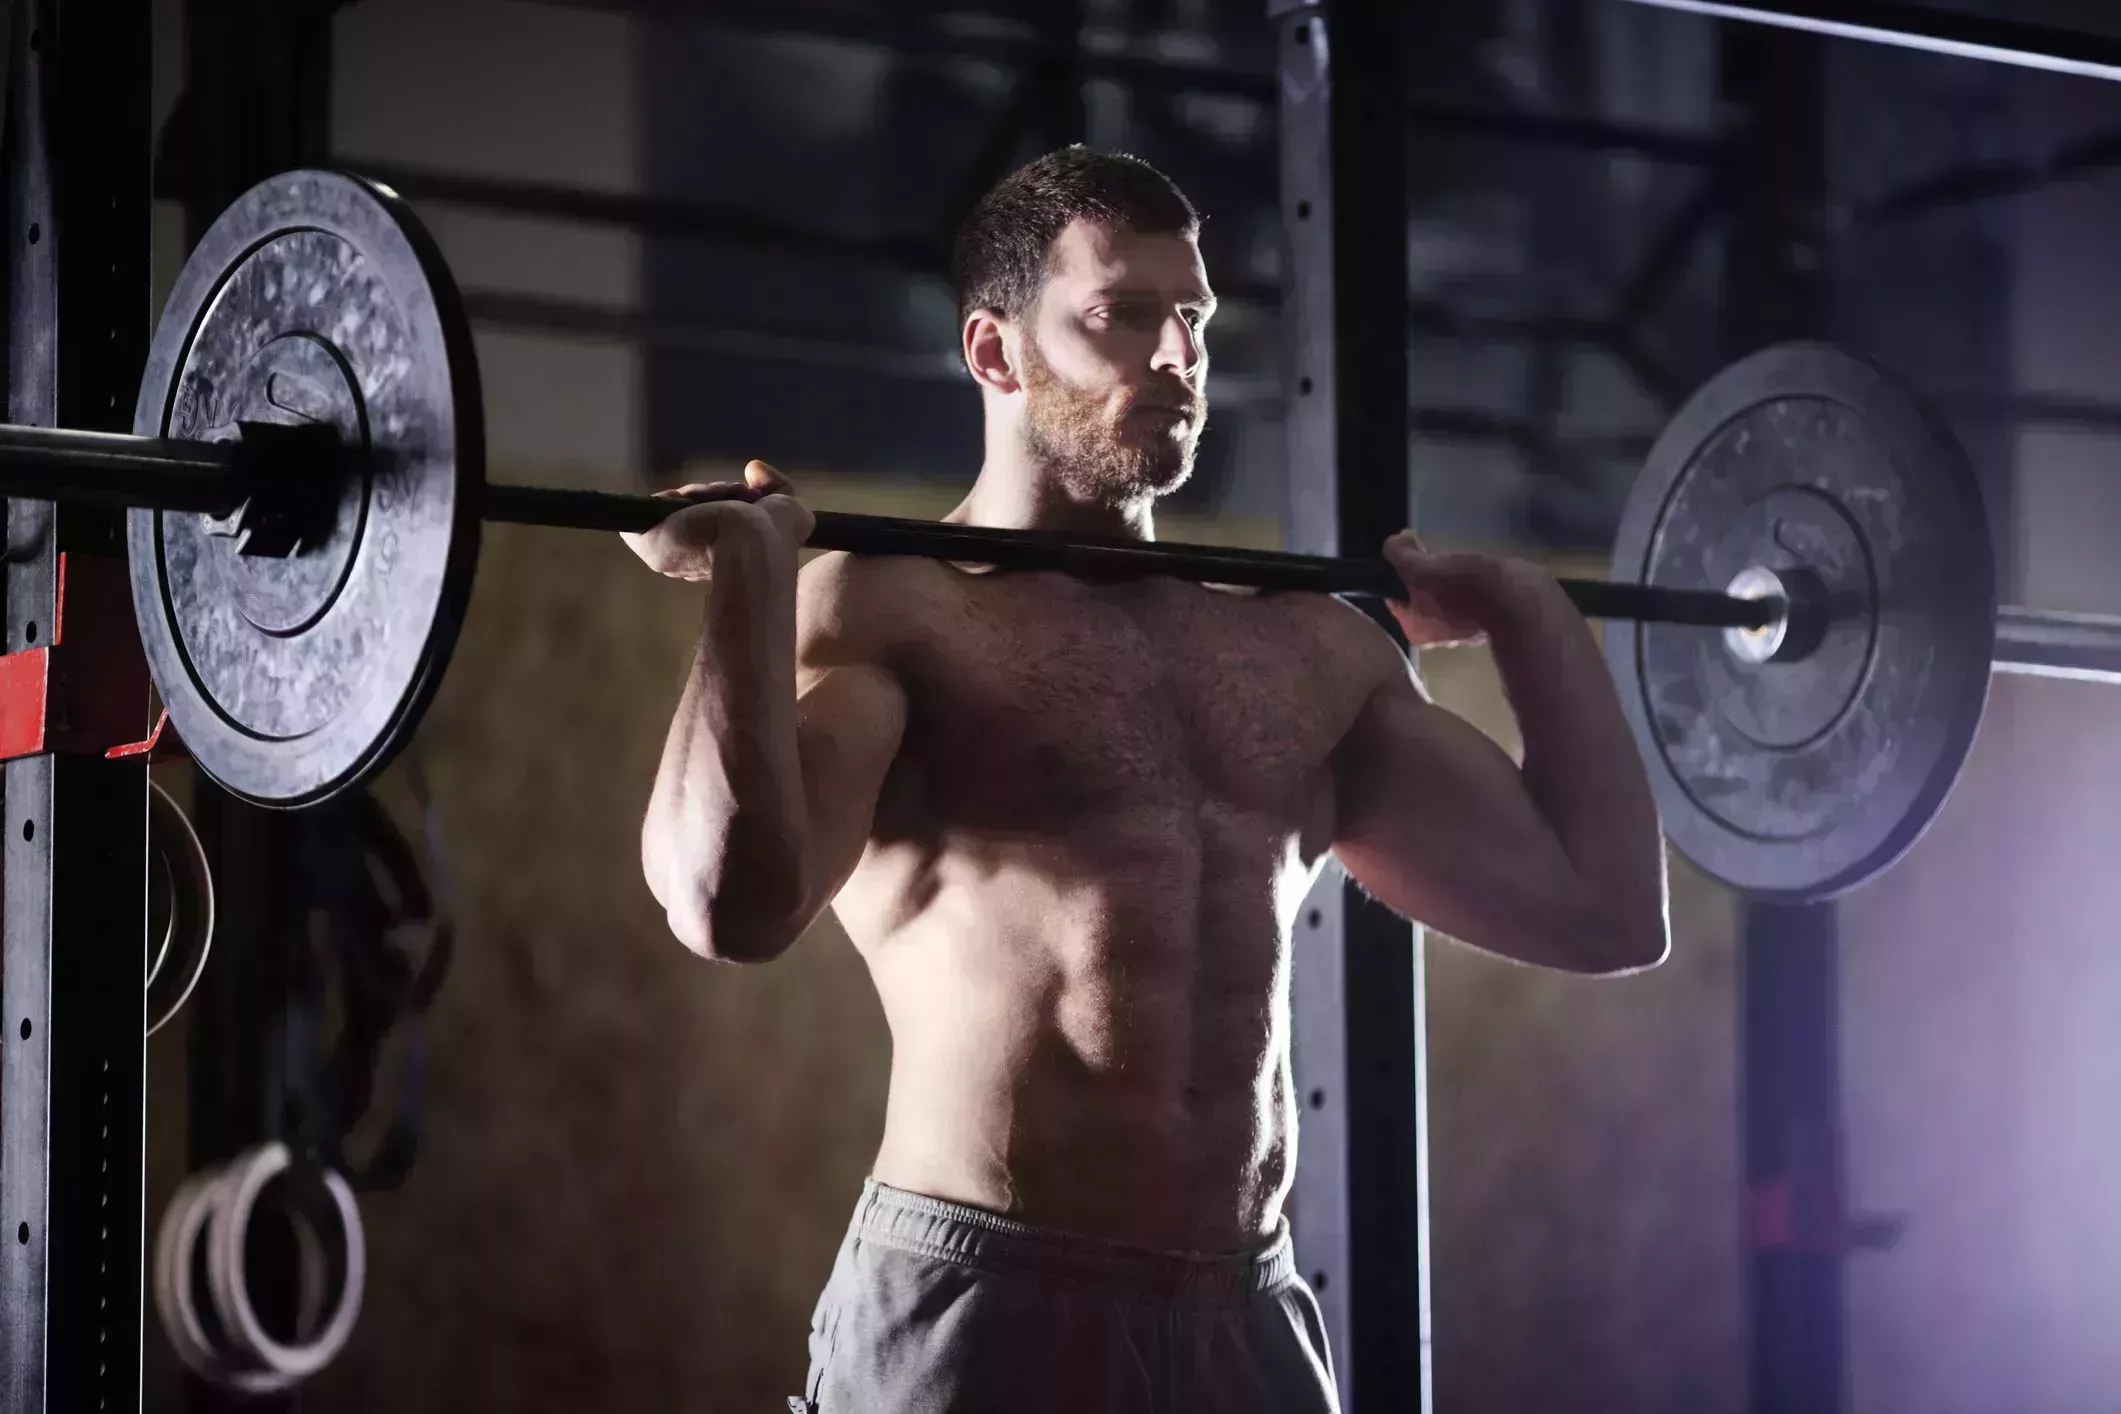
1453 597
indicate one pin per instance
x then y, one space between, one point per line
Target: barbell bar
217 478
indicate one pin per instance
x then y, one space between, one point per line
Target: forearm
724 839
1581 765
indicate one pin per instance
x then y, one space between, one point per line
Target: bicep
1434 820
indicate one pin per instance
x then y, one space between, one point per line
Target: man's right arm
777 751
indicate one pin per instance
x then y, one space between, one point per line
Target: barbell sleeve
118 469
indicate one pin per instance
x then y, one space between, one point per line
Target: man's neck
1014 494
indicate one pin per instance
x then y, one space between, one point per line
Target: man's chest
1048 696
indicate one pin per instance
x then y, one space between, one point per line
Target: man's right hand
761 506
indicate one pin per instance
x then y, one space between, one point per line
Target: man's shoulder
836 575
1347 640
874 600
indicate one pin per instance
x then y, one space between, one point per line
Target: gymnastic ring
188 938
234 1199
161 898
176 1300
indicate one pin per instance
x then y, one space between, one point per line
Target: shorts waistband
957 1232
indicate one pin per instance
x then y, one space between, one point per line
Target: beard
1100 451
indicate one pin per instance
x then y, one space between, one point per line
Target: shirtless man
1068 824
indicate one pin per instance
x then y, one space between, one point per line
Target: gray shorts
938 1308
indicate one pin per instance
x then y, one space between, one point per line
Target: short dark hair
1005 246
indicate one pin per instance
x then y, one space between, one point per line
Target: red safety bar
85 691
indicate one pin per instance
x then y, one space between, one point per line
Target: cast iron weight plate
1796 781
316 297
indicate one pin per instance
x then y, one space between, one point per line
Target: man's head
1083 306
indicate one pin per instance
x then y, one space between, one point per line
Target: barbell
306 479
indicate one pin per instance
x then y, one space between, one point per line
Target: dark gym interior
1830 1155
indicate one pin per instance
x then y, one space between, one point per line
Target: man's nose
1178 347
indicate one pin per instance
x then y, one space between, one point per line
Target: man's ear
991 350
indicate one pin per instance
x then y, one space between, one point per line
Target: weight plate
316 297
1798 779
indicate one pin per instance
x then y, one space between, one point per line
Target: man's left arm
1559 861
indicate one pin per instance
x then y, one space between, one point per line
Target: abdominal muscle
1088 1037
